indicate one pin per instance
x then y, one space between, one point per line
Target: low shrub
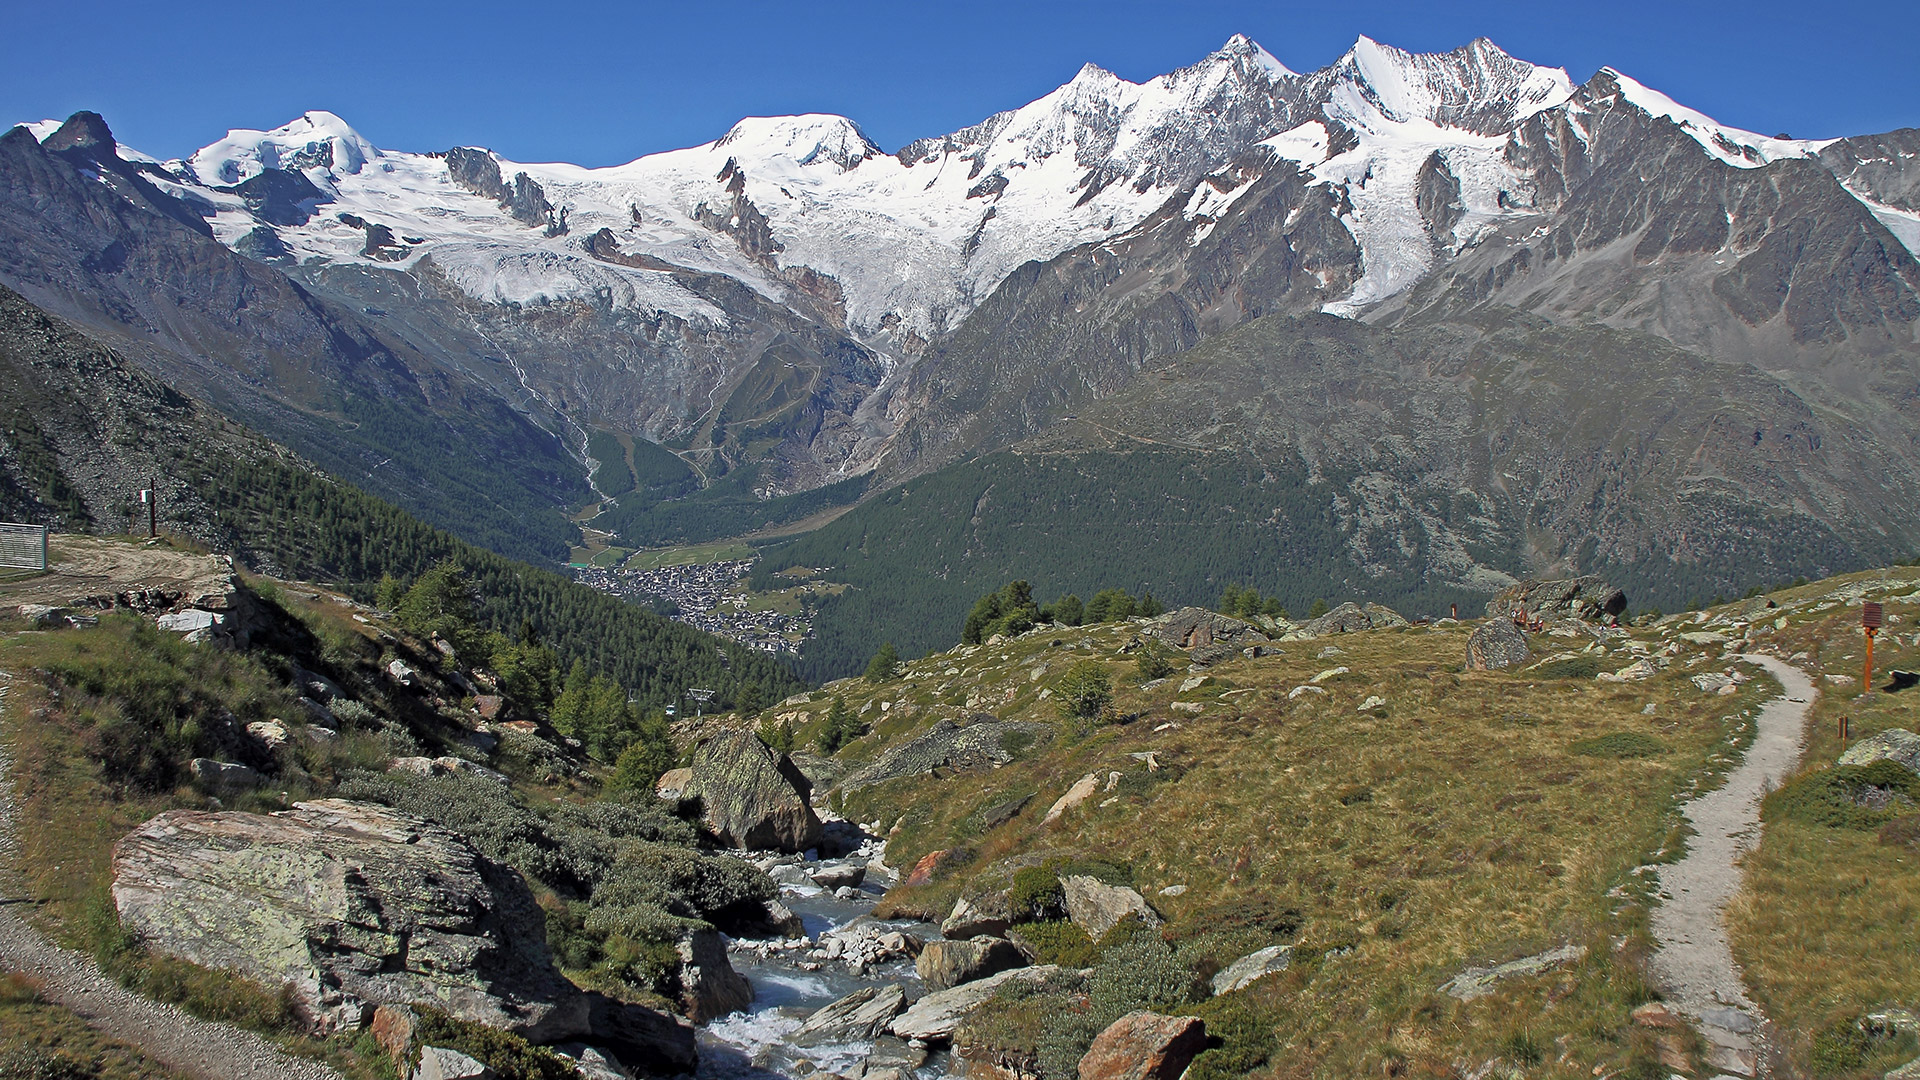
1845 796
1246 1038
1620 744
1057 941
509 1056
1036 895
1573 667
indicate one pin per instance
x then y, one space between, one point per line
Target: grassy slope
1454 826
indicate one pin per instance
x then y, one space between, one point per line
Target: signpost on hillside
23 546
1871 619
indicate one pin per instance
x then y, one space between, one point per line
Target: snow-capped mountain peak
1743 149
1477 88
317 139
1243 49
804 140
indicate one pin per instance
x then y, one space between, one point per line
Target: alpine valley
1405 329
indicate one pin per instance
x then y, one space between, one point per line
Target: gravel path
1693 963
164 1033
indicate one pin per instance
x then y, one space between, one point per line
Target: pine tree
884 665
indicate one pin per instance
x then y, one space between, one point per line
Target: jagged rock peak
805 140
317 139
84 130
1477 87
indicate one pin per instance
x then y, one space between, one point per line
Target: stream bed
791 980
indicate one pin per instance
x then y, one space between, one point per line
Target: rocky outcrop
947 745
863 1014
1080 792
1350 617
349 906
1898 745
977 916
945 964
709 987
1195 627
1096 907
1497 645
751 797
1589 598
1144 1046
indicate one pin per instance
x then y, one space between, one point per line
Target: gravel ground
1693 963
164 1033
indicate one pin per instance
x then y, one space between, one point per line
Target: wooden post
1843 733
153 506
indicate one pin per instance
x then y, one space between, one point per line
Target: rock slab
863 1014
1898 745
1253 967
350 906
1144 1046
933 1018
943 965
750 796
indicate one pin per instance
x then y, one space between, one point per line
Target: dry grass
40 1039
1456 825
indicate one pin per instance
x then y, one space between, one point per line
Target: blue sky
600 83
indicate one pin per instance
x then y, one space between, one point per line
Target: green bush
1057 941
1837 797
1140 972
1246 1038
1085 691
1620 744
1036 895
1151 662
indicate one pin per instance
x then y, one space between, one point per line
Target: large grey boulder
1497 645
863 1014
1589 598
977 916
1351 617
1196 627
945 964
750 796
349 906
1897 745
1097 907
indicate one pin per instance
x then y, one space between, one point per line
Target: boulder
641 1038
591 1062
1000 813
863 1014
1081 790
1589 598
223 775
1252 967
945 964
1195 627
933 1018
349 906
440 1063
709 987
974 917
751 797
1144 1046
1496 645
1898 745
842 876
1351 617
446 766
1096 907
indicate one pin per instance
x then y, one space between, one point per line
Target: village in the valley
713 596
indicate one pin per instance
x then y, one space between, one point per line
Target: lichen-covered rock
1253 967
1589 598
1096 907
350 906
1497 645
1144 1046
1898 745
1351 617
945 964
750 796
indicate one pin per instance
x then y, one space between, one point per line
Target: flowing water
789 984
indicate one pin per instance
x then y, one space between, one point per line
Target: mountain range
1486 321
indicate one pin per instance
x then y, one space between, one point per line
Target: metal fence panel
23 546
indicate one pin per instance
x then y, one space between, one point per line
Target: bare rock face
751 797
351 906
1496 645
1589 598
1144 1046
